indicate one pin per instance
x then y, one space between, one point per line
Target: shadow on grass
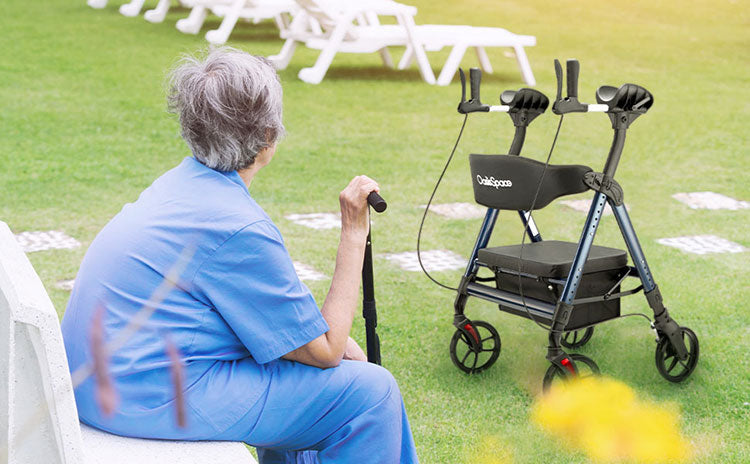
381 73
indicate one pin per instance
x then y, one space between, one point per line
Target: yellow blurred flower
604 418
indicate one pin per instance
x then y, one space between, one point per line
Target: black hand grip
573 68
475 76
558 73
376 201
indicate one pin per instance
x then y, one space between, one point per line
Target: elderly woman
262 363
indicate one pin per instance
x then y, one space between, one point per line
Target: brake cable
427 208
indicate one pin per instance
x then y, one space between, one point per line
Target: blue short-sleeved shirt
239 299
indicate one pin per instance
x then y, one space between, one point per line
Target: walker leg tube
565 305
531 229
584 246
485 232
634 246
663 323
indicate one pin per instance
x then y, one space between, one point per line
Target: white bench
38 416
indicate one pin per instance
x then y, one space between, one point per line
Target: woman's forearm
339 306
341 301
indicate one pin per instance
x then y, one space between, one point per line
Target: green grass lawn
84 128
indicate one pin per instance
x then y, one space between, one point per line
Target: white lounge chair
38 415
461 38
128 9
131 8
344 31
158 14
233 10
350 26
134 7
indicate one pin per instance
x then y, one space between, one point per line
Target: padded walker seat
551 258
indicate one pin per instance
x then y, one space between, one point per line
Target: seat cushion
551 258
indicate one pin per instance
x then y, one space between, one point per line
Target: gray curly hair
229 105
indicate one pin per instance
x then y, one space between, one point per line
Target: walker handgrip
573 68
376 201
475 78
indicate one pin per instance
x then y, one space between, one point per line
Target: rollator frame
607 191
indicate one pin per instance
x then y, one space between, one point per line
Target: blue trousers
353 413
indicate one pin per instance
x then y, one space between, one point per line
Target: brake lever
570 103
474 104
559 75
463 87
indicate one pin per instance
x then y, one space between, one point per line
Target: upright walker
566 287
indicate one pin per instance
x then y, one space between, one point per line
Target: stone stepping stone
306 272
433 260
583 206
710 200
458 210
703 244
66 285
46 240
317 221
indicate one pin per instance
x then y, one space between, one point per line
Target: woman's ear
265 155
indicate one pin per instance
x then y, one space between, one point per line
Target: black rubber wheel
669 365
585 365
479 355
576 338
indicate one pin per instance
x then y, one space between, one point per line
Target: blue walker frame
670 336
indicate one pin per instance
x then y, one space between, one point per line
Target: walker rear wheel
555 374
475 347
669 365
576 338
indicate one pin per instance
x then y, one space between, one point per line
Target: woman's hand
353 351
354 210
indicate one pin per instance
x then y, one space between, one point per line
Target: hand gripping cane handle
377 202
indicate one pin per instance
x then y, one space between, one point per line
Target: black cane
369 311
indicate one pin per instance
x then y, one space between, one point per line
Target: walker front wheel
475 347
669 365
576 338
555 374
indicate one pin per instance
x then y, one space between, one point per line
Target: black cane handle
377 202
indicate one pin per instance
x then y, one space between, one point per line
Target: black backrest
510 182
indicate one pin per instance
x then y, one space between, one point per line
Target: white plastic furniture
98 4
38 416
233 10
252 10
344 31
158 14
131 8
461 38
351 26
